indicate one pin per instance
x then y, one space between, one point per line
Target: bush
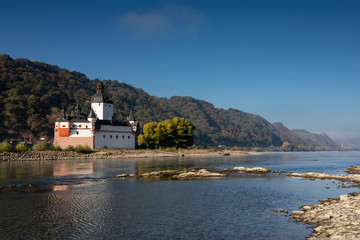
55 148
40 146
5 147
83 149
69 148
170 149
20 147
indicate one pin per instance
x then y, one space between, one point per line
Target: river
82 199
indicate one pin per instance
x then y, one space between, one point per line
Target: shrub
40 146
69 148
20 147
83 149
5 147
55 148
170 149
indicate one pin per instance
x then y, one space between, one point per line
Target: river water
82 200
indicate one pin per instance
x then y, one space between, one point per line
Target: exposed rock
163 173
190 173
202 173
335 218
353 170
260 170
313 175
125 175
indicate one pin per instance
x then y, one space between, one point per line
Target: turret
92 117
62 125
134 124
100 87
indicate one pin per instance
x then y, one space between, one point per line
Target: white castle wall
103 111
114 137
80 129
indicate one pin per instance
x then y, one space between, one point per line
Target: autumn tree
177 132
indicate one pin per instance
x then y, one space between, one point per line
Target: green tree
177 132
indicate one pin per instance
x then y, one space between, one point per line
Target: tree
177 132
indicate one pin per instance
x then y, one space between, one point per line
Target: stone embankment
337 218
63 155
192 173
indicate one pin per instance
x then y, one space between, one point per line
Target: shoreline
111 154
333 218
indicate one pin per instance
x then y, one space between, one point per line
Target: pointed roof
99 96
62 117
92 114
131 117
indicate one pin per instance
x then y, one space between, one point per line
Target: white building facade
97 130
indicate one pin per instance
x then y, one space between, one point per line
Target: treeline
32 94
177 132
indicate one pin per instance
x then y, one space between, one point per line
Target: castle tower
101 104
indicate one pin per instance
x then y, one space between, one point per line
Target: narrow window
128 137
73 126
77 132
80 126
103 136
117 136
123 137
86 126
110 136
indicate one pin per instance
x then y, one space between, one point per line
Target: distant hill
315 140
288 135
32 94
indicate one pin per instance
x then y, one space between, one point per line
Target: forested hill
32 94
305 138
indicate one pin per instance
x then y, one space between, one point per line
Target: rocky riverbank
64 155
333 218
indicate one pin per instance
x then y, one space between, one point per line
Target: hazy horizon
294 62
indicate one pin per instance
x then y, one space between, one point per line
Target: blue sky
296 62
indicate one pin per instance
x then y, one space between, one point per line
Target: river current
82 199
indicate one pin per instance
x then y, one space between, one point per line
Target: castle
98 129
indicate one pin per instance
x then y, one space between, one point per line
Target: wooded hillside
32 94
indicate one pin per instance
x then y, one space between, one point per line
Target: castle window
80 125
86 126
117 136
77 132
103 136
73 126
123 137
128 137
110 136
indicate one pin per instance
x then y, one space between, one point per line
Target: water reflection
70 168
61 187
